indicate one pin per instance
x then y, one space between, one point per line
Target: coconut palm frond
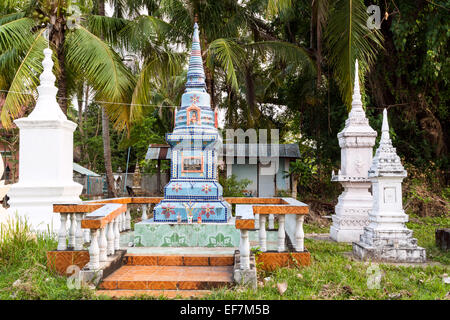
11 17
285 51
16 34
162 66
143 31
106 27
25 81
348 39
276 6
91 57
229 55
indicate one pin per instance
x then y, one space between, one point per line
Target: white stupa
46 158
387 238
356 141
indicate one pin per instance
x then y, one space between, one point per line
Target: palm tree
82 56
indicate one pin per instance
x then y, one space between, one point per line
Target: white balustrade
94 251
116 234
281 233
256 221
128 219
78 232
72 230
120 221
144 212
62 234
299 234
271 222
87 232
103 245
110 238
262 233
244 250
123 219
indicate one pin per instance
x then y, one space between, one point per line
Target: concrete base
106 268
395 245
345 235
245 277
161 234
35 203
389 253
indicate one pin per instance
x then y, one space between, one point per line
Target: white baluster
122 218
256 221
87 233
119 221
281 233
128 219
72 230
94 251
144 212
62 234
299 234
271 222
78 232
110 238
102 244
262 233
244 250
116 234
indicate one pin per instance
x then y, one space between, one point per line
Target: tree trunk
105 134
107 155
57 37
250 97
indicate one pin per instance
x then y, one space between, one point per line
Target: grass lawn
331 275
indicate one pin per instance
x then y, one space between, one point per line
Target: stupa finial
196 74
47 78
385 127
356 98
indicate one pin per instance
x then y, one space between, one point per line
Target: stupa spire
356 97
385 138
196 74
46 105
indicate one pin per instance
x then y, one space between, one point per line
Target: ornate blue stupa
193 189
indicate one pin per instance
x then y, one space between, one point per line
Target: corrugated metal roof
158 151
83 171
242 150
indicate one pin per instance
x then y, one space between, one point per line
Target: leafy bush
233 187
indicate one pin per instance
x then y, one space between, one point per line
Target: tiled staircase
169 275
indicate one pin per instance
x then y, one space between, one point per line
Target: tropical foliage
280 64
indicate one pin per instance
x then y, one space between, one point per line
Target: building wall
246 171
266 182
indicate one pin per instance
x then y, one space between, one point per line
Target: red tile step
130 277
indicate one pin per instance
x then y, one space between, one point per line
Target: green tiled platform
159 234
128 237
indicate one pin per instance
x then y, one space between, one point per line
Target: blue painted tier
193 188
209 210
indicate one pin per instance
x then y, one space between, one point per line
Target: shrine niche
193 115
192 164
